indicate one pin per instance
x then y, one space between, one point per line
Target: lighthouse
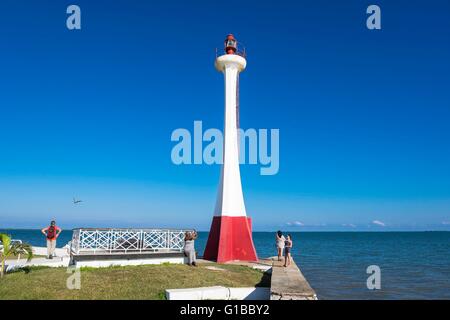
230 236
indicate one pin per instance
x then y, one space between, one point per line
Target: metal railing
240 51
115 241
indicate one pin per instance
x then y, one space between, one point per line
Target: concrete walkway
42 251
62 259
288 283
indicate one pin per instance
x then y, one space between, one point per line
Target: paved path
42 251
288 283
35 262
61 260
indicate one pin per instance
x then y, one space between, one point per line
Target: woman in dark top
287 250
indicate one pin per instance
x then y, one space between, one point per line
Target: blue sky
363 115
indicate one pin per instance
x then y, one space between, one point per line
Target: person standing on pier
189 247
287 250
51 233
279 238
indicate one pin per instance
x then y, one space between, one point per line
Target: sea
412 265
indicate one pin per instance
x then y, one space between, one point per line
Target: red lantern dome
230 44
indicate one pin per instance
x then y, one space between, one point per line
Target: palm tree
14 248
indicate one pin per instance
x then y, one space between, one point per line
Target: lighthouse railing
240 51
92 241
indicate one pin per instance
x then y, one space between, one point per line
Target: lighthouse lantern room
230 44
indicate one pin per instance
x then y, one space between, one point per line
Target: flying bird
77 201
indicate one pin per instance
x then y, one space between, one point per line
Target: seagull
76 201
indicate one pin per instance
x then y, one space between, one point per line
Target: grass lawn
131 282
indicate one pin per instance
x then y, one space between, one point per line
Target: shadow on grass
265 280
27 269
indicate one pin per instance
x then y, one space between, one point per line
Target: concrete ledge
202 293
263 268
100 263
257 293
219 293
126 256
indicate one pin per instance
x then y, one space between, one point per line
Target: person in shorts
287 250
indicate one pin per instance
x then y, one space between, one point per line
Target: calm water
414 265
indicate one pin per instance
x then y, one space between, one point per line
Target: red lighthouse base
230 238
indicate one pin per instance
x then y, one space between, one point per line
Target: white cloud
295 223
379 223
351 225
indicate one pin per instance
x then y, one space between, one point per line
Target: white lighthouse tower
230 237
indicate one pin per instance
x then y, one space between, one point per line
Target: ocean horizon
413 264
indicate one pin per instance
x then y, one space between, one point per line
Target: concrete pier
288 283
